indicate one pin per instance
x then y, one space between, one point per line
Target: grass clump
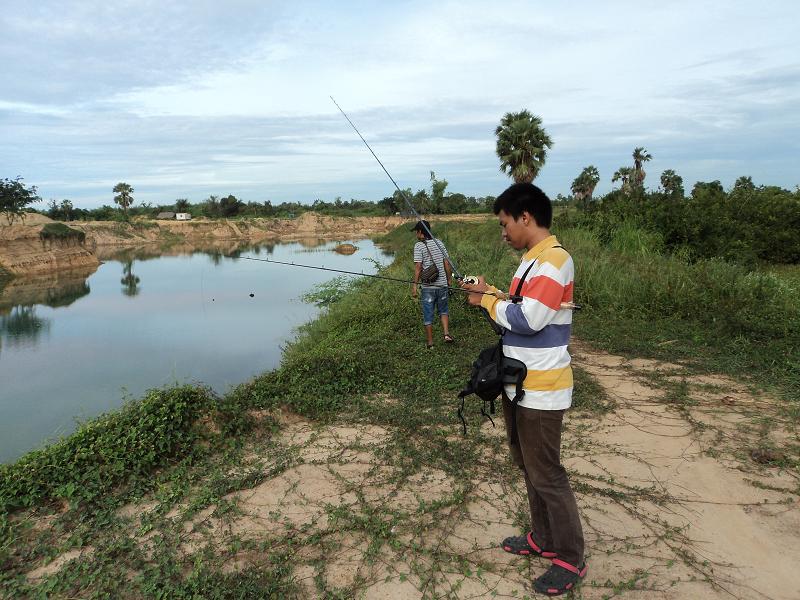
59 231
109 451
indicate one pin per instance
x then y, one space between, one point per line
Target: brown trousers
536 450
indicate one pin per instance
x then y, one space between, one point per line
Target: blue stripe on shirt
552 336
517 321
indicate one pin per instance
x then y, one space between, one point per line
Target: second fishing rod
456 274
469 279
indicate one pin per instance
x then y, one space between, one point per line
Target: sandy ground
673 504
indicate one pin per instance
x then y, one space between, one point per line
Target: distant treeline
746 224
433 201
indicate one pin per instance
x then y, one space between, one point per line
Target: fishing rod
499 294
456 274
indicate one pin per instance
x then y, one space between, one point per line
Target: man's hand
477 289
414 290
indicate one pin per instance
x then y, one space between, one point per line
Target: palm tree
623 174
672 183
584 184
744 183
640 156
123 196
522 145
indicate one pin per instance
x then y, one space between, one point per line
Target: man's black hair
424 227
522 197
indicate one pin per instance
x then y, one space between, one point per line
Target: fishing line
500 295
456 274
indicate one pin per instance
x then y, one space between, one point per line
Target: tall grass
718 315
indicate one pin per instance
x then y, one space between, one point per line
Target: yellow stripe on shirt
550 380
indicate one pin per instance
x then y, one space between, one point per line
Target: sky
188 99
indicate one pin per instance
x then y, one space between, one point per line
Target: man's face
420 235
513 230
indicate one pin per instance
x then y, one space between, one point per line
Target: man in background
431 251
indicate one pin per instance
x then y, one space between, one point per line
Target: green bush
59 231
745 225
107 451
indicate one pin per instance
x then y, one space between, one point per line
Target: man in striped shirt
536 332
431 251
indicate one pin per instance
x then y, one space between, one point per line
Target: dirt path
673 503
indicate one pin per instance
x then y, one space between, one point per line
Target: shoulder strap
429 252
517 298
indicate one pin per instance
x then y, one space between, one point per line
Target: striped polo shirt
437 255
537 330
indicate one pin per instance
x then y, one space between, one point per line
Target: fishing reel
470 279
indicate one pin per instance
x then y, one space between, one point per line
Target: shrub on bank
745 225
59 231
110 450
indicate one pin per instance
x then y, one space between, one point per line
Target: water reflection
129 280
71 342
21 326
20 323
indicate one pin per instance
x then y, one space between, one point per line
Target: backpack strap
433 262
514 371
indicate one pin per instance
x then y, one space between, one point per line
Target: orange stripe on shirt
568 292
546 290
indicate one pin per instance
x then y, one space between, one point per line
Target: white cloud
189 96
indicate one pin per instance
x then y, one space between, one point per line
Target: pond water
74 345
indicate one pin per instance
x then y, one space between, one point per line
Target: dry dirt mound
27 219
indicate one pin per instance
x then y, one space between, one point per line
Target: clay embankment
22 252
308 226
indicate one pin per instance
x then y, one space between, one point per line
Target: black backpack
492 371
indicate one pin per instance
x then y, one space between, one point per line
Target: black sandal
449 338
560 578
524 546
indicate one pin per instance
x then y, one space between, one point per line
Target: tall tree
522 145
672 183
229 206
211 206
640 156
624 174
14 197
123 196
53 209
584 184
181 205
438 187
66 210
744 184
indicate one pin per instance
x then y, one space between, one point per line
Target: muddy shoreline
24 253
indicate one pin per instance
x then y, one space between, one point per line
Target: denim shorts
431 297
